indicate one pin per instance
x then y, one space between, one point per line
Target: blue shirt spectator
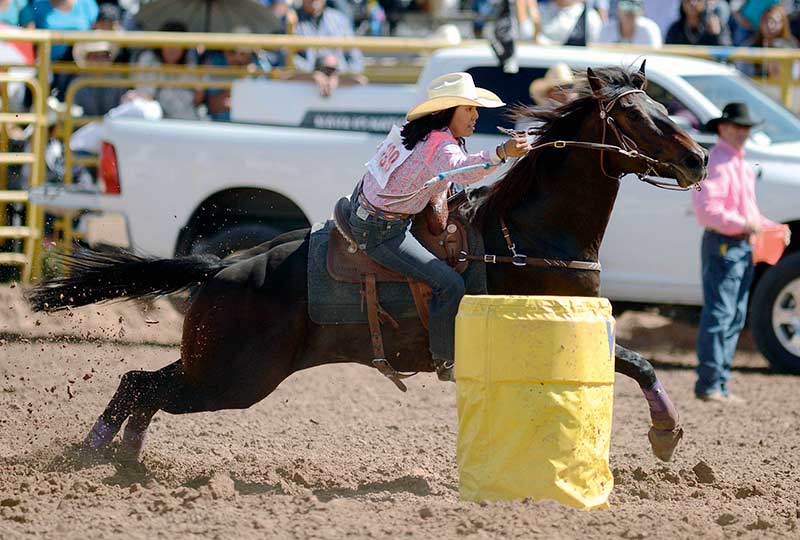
76 15
10 10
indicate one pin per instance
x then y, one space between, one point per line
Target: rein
627 147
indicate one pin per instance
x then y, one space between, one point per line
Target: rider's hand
751 227
517 146
787 236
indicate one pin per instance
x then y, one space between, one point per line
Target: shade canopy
209 15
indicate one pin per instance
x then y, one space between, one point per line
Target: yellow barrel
535 389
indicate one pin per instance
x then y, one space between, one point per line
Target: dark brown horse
247 328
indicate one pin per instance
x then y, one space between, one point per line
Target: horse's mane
553 124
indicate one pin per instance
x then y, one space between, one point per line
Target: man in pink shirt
726 207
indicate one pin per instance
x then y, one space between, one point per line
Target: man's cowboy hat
558 75
736 113
452 90
81 51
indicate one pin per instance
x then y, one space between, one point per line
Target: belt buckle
362 213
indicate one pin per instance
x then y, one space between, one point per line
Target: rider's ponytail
419 129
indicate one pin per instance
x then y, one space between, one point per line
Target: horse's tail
97 276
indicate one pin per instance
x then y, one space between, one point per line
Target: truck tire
222 244
775 314
235 238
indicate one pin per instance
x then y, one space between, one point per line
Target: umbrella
209 15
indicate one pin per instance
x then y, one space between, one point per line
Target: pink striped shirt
440 152
728 198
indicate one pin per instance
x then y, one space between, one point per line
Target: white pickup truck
186 187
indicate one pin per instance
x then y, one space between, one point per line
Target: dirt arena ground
339 452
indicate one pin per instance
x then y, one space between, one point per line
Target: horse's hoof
132 447
82 455
664 442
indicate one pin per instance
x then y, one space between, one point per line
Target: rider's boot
445 369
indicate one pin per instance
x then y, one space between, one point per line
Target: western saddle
443 235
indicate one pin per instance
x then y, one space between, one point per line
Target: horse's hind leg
139 396
665 432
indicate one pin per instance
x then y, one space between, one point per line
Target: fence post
36 220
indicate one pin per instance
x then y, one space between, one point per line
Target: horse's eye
657 105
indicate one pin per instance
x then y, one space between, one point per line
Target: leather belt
380 213
743 236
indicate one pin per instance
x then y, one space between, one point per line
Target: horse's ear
642 76
594 81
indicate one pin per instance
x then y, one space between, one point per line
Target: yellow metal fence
388 60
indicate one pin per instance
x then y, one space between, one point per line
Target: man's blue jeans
727 276
391 244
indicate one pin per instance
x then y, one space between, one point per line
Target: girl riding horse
432 141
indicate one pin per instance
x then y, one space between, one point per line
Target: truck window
673 105
512 89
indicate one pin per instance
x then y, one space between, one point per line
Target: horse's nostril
695 161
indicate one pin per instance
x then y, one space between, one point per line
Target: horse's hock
535 388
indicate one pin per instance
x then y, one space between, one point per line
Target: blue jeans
391 244
727 276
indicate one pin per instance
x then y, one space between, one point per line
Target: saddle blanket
336 302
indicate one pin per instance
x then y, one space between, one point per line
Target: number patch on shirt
390 155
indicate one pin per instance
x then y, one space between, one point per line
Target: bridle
627 146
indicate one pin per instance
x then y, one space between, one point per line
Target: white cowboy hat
452 90
80 51
558 75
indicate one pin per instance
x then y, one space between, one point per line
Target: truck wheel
775 314
235 238
222 244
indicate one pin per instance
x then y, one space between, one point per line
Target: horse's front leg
666 431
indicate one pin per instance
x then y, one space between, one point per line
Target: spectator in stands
179 103
700 23
566 22
555 88
10 11
747 18
97 101
218 100
485 10
631 26
314 19
109 17
773 31
394 10
284 12
60 15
